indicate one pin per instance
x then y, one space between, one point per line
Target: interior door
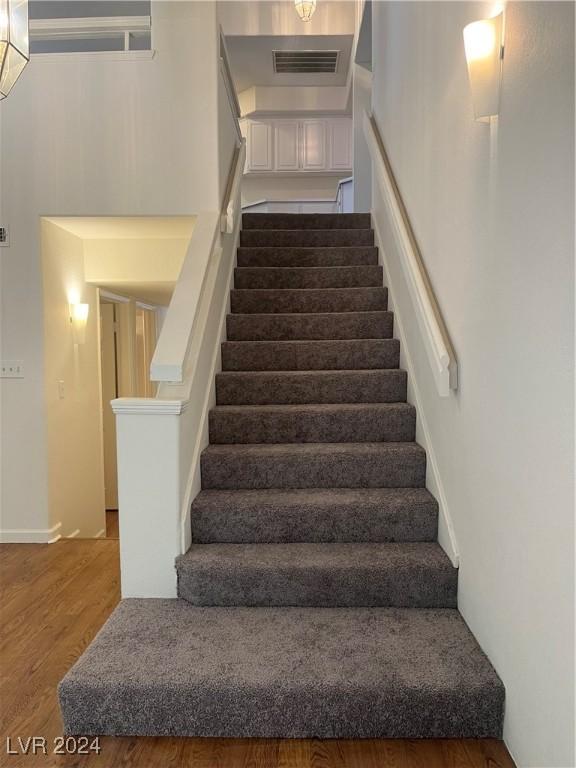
145 345
109 392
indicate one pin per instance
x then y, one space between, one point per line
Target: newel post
149 494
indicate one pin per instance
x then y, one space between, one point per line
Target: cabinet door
260 147
286 145
314 150
341 144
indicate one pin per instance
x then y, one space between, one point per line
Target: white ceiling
127 227
251 59
278 17
150 293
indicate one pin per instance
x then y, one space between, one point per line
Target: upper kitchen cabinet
295 146
314 145
286 145
340 144
259 142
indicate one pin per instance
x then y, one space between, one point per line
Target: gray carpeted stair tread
166 668
309 300
310 355
387 385
306 221
314 515
398 575
306 237
298 256
314 326
317 423
308 277
314 465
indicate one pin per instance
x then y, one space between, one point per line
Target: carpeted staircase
315 600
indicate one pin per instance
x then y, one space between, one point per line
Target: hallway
54 600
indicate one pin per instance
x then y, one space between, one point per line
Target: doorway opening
107 282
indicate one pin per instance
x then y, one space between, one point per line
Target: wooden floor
55 597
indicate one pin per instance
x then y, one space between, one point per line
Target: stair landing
167 668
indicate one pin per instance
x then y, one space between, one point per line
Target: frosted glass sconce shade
483 46
79 318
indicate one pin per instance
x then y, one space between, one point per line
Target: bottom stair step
165 668
399 575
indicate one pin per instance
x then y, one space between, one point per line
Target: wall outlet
12 369
4 236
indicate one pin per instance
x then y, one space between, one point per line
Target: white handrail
169 358
229 84
426 309
227 219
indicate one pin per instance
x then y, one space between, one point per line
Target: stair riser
252 584
304 277
305 713
307 257
306 238
265 301
369 424
306 221
310 355
406 470
275 388
346 325
246 523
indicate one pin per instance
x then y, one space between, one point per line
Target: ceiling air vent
305 62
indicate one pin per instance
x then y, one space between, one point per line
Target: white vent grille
305 62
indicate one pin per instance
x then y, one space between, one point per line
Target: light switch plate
12 369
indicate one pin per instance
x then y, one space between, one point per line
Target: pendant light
305 9
14 47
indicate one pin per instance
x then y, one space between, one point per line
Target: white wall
492 208
73 391
309 187
260 100
86 136
362 96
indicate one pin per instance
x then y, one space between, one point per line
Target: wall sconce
484 48
78 320
14 46
305 9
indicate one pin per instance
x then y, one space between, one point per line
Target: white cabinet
259 141
286 152
306 145
313 145
340 144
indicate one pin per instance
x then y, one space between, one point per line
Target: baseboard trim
31 535
446 532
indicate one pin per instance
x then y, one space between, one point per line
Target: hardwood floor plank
56 597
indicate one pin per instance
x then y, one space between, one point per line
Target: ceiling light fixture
14 48
305 9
